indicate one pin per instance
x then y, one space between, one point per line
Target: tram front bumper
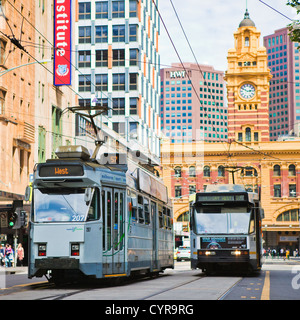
57 263
223 256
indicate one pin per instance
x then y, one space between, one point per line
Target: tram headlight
75 249
42 248
236 253
210 253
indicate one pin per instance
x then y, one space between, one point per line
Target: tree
294 27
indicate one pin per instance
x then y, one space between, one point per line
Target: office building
118 66
284 63
192 106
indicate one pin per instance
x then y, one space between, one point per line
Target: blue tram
226 229
97 219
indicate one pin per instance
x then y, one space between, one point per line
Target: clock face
247 91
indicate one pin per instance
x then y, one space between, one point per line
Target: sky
209 26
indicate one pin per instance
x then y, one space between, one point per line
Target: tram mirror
262 213
27 193
87 194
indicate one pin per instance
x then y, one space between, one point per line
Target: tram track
182 283
127 283
169 289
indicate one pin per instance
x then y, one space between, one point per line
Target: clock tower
248 80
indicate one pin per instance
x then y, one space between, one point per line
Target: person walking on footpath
9 255
2 255
20 255
287 254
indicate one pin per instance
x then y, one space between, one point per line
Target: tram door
113 208
154 233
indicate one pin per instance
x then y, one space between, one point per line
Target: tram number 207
78 217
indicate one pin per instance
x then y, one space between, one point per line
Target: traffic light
23 219
12 219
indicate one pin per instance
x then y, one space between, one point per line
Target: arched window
289 215
276 170
247 42
177 171
249 172
221 171
248 134
206 171
192 171
183 217
292 170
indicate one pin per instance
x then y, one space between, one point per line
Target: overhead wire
258 151
108 97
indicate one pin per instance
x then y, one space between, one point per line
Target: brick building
271 168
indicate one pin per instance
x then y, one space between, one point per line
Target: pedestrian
282 252
9 255
20 255
287 254
2 255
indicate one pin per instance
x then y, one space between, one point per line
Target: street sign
3 220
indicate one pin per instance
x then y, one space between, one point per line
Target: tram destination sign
220 197
61 171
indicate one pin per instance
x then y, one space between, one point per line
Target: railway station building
247 157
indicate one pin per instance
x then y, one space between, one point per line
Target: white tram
226 229
97 220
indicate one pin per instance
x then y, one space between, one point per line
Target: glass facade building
118 66
192 104
284 63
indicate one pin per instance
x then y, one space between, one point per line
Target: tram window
160 216
93 212
140 209
122 222
134 205
211 210
103 217
165 222
147 211
116 225
169 219
252 223
108 226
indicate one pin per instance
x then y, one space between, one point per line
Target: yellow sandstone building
271 168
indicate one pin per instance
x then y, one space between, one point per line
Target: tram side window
165 218
133 206
140 209
93 213
146 211
169 220
160 216
252 223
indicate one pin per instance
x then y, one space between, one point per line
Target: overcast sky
209 26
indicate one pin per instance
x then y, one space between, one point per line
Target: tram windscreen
222 220
69 204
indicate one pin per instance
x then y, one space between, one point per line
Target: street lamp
2 73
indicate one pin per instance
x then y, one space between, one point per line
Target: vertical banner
62 42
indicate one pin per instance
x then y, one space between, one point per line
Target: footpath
280 260
14 270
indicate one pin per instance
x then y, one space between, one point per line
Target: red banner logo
62 42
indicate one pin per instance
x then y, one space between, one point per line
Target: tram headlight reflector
236 253
42 248
210 253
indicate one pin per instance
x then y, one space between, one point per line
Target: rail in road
178 284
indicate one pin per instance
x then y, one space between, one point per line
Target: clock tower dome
248 80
